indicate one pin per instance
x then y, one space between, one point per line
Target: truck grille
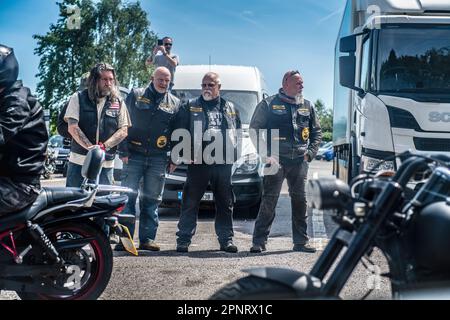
427 144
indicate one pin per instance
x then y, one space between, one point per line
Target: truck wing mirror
348 44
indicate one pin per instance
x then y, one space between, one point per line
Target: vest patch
115 105
303 112
305 134
161 142
278 107
136 143
166 107
144 100
196 109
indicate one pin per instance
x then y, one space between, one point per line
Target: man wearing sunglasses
299 138
216 118
162 57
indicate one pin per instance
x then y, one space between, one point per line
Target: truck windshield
244 101
414 61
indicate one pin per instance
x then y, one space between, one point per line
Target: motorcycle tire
99 268
254 288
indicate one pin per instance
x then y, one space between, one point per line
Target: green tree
109 31
326 120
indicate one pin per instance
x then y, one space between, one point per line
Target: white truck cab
392 83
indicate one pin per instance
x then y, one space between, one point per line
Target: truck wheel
254 288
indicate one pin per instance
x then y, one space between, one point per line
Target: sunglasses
208 85
167 44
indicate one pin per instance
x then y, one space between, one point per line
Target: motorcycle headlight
248 164
373 164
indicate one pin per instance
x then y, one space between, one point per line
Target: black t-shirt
214 114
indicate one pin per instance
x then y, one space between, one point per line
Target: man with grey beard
96 115
299 138
219 119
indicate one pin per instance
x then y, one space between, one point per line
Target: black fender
305 285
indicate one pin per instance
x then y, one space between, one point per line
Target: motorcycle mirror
93 163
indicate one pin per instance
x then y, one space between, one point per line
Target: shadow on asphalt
206 254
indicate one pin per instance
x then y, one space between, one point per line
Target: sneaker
182 248
149 245
257 248
304 248
229 247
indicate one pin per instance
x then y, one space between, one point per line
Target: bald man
299 138
146 152
217 119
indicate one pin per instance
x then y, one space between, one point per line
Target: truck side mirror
348 44
347 64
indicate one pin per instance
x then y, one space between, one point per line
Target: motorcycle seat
48 197
13 219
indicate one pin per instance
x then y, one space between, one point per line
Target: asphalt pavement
170 275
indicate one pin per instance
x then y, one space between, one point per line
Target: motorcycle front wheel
254 288
93 263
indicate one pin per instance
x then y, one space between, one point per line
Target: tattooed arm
78 135
116 138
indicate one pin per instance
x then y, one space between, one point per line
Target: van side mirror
93 163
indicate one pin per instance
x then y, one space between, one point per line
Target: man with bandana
299 136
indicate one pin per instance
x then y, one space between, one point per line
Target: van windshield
245 101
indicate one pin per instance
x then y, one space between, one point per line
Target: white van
245 87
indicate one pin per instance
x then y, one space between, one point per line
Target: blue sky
274 35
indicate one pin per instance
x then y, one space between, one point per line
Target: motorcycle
411 227
50 163
54 250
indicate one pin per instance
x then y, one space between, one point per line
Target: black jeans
15 196
198 177
296 175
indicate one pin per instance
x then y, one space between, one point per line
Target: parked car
326 152
61 149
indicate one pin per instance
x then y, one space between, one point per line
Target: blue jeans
152 170
74 178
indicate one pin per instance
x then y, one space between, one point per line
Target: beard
207 96
103 92
299 98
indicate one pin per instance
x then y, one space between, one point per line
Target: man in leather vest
96 116
299 138
215 117
23 138
146 152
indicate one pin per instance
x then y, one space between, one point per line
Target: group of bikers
139 128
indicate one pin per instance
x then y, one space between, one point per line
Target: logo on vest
278 107
196 109
161 142
304 112
305 134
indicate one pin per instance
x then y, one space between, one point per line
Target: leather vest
88 122
152 122
293 123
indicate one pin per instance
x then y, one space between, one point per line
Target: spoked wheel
88 269
254 288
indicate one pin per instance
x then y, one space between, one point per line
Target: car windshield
56 141
414 60
245 101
